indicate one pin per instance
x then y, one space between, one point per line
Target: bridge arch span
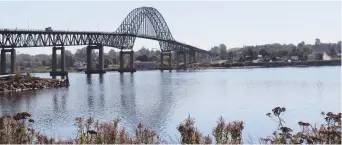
143 21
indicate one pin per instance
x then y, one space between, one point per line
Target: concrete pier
54 71
198 56
131 68
179 53
192 54
100 69
3 61
169 67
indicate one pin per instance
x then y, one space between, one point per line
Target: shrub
328 133
18 129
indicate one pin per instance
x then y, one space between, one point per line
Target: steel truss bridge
143 22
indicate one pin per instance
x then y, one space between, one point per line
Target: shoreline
14 83
244 65
299 64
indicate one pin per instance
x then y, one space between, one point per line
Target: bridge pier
131 68
54 71
162 67
3 60
192 56
100 69
184 53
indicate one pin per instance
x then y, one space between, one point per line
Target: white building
326 56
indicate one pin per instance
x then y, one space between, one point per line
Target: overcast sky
202 23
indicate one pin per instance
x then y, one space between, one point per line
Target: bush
328 133
18 129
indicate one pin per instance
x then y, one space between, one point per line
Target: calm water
161 100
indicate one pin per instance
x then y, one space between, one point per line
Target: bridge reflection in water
162 99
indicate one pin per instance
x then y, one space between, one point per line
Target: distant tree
156 53
142 58
153 58
317 42
43 63
107 60
230 56
306 52
250 53
112 56
306 49
333 52
215 51
81 54
223 51
263 52
143 51
69 59
339 47
301 45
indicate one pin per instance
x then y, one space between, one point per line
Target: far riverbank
336 62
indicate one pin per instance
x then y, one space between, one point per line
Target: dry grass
328 133
18 129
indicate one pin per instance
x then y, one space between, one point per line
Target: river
161 100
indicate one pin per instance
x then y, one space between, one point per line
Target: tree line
302 50
80 55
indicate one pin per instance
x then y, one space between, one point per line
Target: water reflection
163 112
59 100
55 102
127 97
102 93
12 103
90 95
92 90
160 100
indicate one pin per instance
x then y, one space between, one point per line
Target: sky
203 24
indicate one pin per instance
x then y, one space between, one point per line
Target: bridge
142 22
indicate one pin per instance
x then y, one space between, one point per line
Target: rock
33 83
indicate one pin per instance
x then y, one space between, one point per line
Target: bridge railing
73 31
54 30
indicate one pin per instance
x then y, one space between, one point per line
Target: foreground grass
18 129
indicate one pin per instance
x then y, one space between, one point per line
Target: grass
18 129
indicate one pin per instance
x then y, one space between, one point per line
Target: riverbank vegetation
335 62
18 129
75 61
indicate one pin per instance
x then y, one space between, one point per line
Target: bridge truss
143 22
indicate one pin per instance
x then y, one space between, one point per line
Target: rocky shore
22 83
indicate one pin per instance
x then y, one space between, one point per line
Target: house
256 61
294 58
323 49
285 58
338 55
326 56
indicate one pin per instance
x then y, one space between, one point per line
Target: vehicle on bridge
48 29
